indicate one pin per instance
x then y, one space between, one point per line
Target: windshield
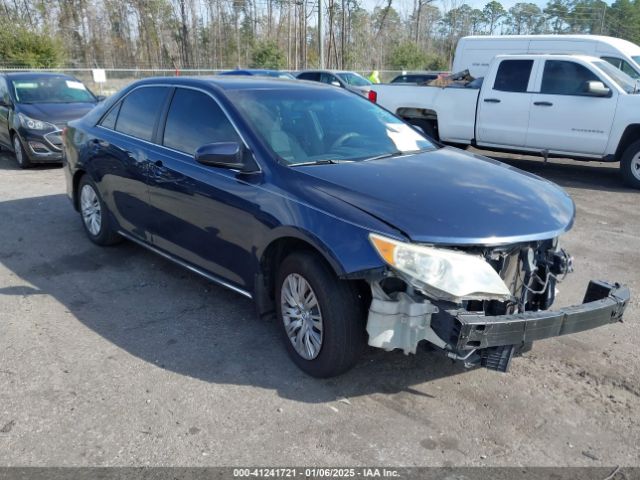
623 80
309 125
353 79
50 89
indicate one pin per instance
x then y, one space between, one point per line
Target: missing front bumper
402 321
604 303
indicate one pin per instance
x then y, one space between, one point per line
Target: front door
204 215
564 116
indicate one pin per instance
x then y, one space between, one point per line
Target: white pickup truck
571 106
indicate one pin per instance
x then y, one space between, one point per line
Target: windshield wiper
326 161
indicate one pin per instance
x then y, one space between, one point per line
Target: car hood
56 113
448 196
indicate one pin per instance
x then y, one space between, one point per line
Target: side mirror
222 154
101 98
335 83
598 89
5 103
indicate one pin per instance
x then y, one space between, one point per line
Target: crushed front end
425 295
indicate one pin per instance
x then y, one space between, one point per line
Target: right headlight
33 124
443 273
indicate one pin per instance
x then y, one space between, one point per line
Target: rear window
139 112
513 75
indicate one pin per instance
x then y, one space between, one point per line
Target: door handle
158 163
492 100
543 104
100 143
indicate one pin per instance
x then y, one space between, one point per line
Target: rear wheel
630 165
321 316
21 155
95 215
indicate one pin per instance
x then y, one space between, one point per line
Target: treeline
279 33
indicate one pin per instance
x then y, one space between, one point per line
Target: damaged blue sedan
348 225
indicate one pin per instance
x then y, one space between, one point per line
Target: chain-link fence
117 78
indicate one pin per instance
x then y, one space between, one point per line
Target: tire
338 344
95 215
427 126
630 165
22 159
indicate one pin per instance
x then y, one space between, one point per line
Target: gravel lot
114 356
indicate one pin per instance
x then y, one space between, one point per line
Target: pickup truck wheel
630 165
321 317
95 215
427 127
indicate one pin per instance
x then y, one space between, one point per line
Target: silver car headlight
442 273
32 124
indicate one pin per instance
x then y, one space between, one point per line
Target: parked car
35 108
415 78
352 81
332 214
260 73
475 53
571 106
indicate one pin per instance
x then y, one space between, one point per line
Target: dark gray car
349 80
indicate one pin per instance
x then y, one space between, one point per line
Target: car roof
240 82
325 70
24 75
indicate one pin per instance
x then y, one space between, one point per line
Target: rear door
120 156
504 104
5 101
202 214
564 117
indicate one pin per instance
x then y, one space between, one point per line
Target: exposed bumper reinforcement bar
603 303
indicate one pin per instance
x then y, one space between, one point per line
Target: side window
629 70
313 76
328 78
616 62
563 77
622 65
513 76
195 119
109 120
140 110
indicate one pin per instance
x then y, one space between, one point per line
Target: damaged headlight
442 273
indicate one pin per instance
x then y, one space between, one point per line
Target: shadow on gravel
172 318
8 162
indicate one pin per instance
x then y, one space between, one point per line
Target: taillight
373 96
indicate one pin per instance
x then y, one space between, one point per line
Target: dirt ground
114 356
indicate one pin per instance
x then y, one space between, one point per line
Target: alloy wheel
635 166
91 211
301 316
17 148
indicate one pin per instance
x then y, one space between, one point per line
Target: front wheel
630 165
21 155
322 317
95 215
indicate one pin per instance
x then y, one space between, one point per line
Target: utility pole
604 14
320 35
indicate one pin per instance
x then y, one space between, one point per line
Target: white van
475 53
